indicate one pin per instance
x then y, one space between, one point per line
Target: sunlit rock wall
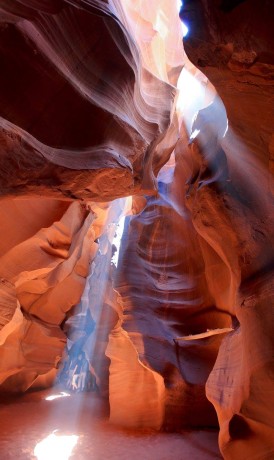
86 101
232 43
87 105
95 106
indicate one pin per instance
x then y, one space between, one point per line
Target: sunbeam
194 94
82 364
117 240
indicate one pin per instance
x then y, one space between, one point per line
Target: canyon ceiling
110 123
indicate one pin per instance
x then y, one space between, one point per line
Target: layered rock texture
137 209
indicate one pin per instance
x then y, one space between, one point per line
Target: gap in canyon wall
136 187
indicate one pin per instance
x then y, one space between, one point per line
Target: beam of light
117 240
62 394
192 96
86 323
194 134
99 281
55 447
161 24
164 179
226 128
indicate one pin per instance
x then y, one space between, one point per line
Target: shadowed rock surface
137 212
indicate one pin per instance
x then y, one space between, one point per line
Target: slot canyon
136 229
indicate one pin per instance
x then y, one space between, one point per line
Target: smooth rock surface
137 217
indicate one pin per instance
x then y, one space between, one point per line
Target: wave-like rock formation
137 210
84 101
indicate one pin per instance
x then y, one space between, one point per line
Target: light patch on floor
62 394
55 447
29 424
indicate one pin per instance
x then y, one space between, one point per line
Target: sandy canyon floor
82 420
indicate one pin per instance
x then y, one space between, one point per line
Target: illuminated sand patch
55 447
62 394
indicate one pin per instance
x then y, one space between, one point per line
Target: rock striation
136 203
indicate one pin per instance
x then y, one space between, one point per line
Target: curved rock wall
85 109
94 107
232 43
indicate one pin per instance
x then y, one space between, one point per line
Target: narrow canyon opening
136 249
